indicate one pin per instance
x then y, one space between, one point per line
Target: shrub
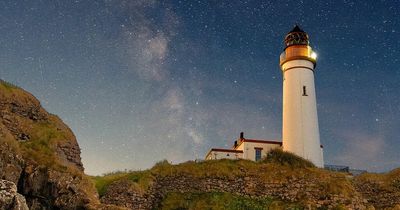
288 159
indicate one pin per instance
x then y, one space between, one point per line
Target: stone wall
378 195
128 194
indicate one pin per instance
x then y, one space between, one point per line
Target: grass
10 90
288 159
141 179
389 181
226 169
220 201
7 85
41 146
279 167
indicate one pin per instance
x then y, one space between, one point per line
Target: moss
220 201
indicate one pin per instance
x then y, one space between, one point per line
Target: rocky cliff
40 155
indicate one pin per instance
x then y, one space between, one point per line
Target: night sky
142 81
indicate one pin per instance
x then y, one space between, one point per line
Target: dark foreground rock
9 198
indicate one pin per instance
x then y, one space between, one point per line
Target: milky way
142 81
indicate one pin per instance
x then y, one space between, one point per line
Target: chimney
241 135
235 145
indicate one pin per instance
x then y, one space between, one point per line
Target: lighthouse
300 131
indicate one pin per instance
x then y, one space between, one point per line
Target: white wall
300 131
223 155
240 147
250 153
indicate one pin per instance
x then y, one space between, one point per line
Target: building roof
262 141
226 150
296 37
296 29
257 141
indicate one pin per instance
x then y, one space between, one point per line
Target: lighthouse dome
296 37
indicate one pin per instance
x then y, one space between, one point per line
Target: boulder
9 198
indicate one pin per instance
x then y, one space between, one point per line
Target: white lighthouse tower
300 132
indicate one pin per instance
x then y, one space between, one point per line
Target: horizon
133 78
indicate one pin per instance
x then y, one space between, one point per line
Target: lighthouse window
305 91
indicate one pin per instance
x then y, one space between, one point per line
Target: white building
300 131
250 149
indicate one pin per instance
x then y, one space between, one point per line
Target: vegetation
7 85
220 201
44 137
41 133
10 90
389 181
288 159
141 179
279 166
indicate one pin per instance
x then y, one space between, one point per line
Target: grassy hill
281 181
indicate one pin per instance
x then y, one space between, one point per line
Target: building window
305 91
258 154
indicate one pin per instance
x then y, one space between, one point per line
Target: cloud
362 150
173 100
196 137
146 52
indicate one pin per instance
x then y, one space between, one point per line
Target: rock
70 153
41 155
9 198
11 163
